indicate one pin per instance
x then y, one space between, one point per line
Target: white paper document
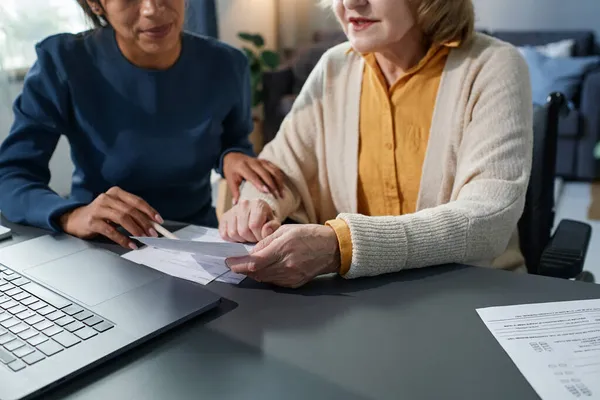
198 256
556 346
220 250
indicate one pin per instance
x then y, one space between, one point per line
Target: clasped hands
287 256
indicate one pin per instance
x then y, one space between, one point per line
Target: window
23 23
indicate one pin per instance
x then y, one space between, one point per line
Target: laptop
66 306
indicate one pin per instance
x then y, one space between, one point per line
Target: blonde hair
441 21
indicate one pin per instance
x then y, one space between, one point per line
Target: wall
247 15
283 23
538 14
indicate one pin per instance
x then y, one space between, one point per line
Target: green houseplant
260 60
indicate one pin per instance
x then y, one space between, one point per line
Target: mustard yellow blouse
393 136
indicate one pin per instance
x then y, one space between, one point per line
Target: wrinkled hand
238 167
114 208
248 222
292 256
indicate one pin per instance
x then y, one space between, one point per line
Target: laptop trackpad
93 276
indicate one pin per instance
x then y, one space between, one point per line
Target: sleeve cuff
57 211
232 150
342 231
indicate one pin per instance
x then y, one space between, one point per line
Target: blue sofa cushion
549 75
569 125
584 40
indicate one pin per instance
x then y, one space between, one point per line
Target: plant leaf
270 59
250 54
256 68
247 37
258 40
254 38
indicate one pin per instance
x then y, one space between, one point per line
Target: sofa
578 132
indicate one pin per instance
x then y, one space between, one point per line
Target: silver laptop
66 306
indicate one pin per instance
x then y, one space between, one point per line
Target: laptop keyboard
36 323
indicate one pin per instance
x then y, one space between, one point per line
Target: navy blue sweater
157 134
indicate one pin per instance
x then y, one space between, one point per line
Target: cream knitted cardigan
475 173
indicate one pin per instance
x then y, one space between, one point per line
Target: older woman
409 146
149 111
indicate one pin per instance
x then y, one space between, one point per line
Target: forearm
445 234
27 202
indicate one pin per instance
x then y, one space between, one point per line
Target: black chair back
536 223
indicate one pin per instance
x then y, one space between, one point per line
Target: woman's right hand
114 208
249 221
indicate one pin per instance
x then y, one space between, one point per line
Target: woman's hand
114 208
238 167
292 256
248 222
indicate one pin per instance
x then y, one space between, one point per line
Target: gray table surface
411 335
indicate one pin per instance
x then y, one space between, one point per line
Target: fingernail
159 219
227 263
132 246
153 233
265 189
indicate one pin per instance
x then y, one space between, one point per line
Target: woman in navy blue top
148 111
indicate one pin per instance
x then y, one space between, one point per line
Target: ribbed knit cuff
389 244
377 245
342 231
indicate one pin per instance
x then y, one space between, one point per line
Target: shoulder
65 44
484 53
54 53
65 50
485 47
214 50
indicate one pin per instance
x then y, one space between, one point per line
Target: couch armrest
565 254
276 85
589 108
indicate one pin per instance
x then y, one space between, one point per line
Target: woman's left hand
238 167
292 256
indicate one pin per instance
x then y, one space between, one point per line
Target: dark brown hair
96 20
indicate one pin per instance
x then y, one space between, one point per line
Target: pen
159 228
